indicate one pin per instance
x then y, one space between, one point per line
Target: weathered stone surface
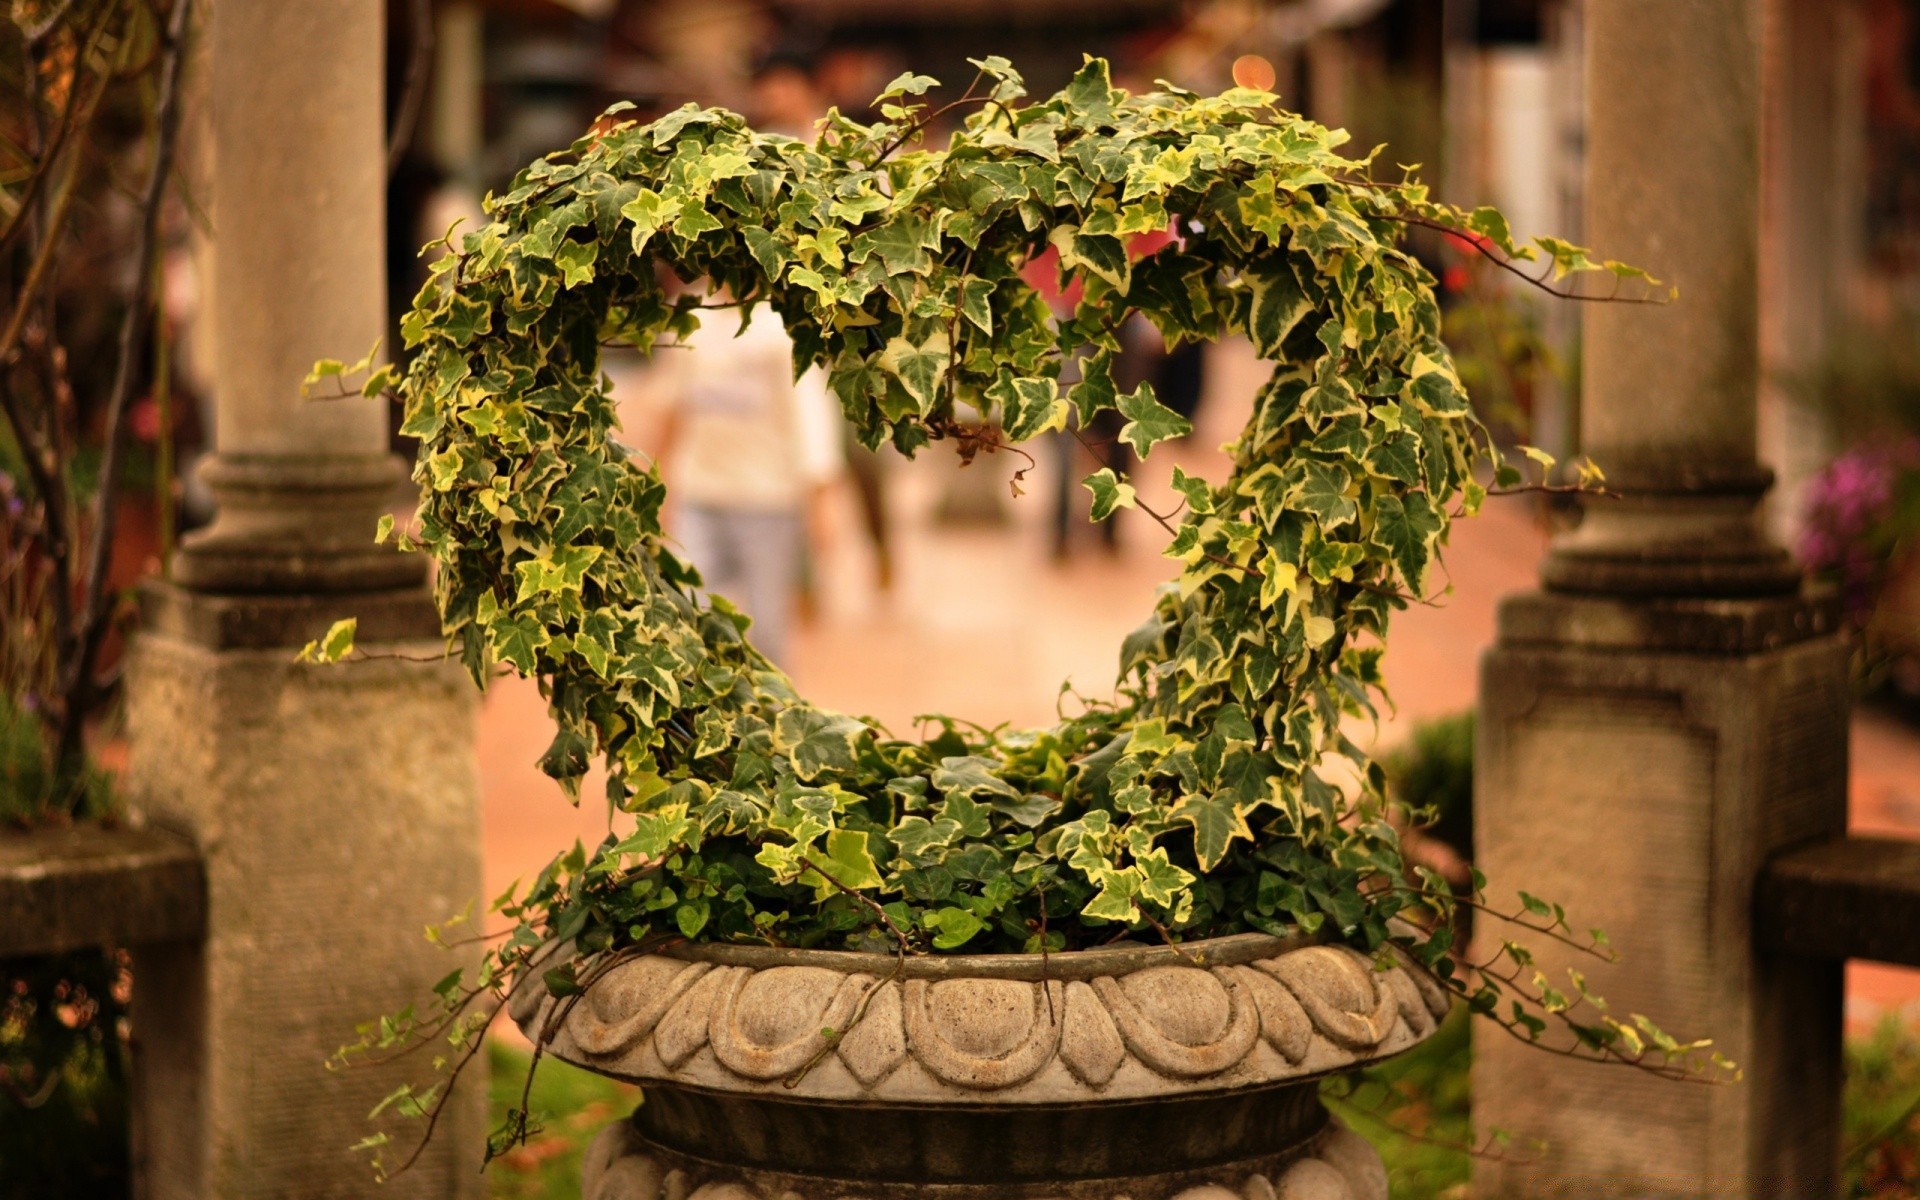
1357 1162
1645 792
981 1034
336 811
87 885
685 1028
626 1006
1335 1164
877 1043
1312 1180
836 1076
1852 897
1090 1045
1108 1024
1182 1022
1282 1021
1340 991
767 1025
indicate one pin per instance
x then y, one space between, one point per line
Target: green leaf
1149 421
952 927
555 571
1103 255
971 775
1438 394
691 917
1278 305
1028 406
467 318
919 366
848 861
917 835
1396 457
1161 881
900 243
1091 91
768 250
1095 392
1030 810
333 645
1197 492
907 84
518 640
818 742
1109 493
1323 492
1491 224
974 297
1216 822
647 211
1407 529
575 260
966 813
1269 488
1328 561
694 220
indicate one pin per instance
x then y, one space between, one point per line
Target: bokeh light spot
1252 71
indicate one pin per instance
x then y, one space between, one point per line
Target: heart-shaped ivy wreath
1191 804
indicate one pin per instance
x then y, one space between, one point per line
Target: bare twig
440 1103
1591 948
38 270
1046 965
906 947
92 623
965 97
45 151
1166 935
1538 282
832 1039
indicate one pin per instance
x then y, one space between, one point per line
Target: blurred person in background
788 98
749 454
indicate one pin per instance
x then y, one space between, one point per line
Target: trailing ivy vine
1196 801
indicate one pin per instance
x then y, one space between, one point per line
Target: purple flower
1849 508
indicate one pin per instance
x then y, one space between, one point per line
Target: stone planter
1138 1072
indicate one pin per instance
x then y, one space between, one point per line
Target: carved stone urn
1126 1073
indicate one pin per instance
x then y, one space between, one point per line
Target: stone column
336 807
1670 710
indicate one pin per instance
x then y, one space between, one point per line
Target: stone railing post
336 807
1669 710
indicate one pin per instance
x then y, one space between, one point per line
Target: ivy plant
1197 801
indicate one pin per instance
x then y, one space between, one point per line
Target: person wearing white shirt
749 454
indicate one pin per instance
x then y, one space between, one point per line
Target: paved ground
983 624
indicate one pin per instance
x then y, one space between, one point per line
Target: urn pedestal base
1331 1163
1127 1073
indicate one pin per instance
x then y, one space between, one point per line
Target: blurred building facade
1486 95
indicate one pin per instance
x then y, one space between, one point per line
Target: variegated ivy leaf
818 742
919 366
1149 421
1109 493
